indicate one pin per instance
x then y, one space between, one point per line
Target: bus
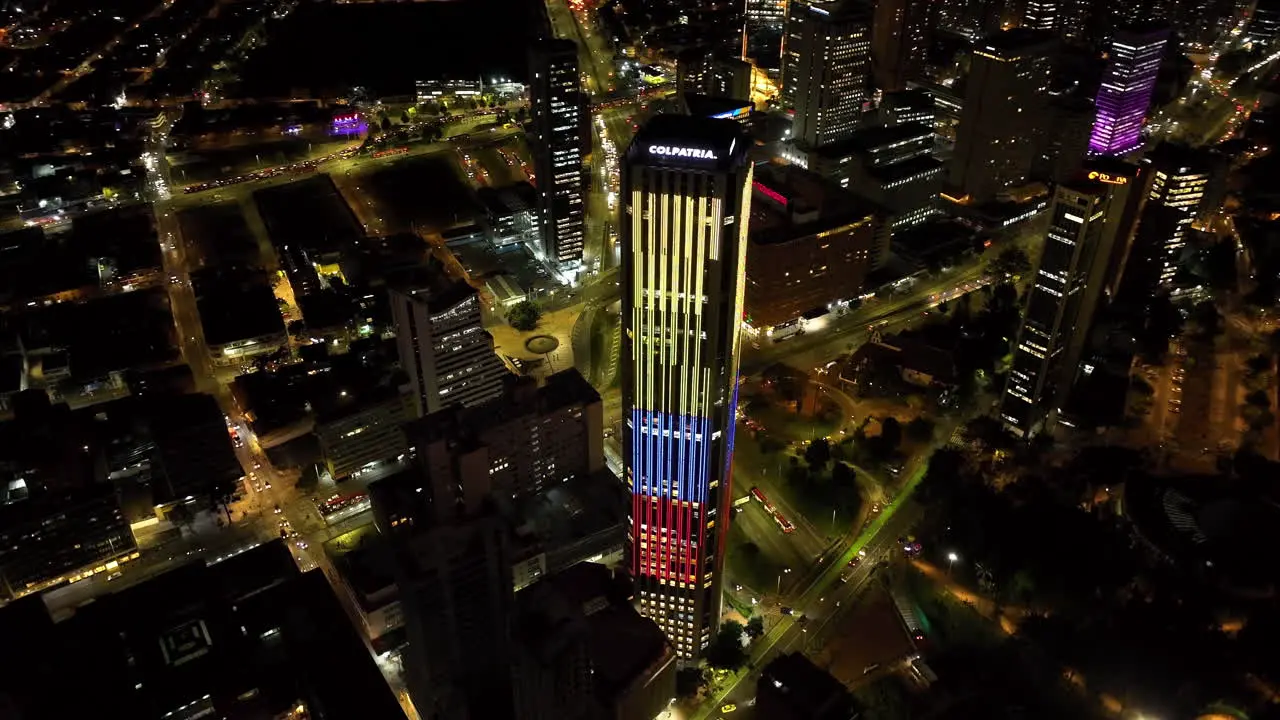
763 500
783 523
788 329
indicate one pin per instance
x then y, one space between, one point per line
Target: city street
817 606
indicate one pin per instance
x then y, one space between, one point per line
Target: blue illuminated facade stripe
671 460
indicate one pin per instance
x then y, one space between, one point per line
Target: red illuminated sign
770 193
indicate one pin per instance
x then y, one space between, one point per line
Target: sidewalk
1008 616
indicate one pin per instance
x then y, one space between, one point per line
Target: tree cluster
1088 598
524 316
725 650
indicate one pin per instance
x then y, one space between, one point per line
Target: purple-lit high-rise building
686 204
1125 94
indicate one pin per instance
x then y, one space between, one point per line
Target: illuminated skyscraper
825 69
1060 307
1179 177
686 193
559 123
1125 94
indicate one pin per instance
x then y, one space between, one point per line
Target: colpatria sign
682 152
1107 178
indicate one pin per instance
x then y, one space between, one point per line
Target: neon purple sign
351 124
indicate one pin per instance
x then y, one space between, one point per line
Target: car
728 708
277 510
785 610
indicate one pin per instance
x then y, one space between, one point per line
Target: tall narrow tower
559 124
686 193
1179 177
1060 307
1125 94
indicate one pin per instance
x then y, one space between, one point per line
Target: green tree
309 479
890 437
755 627
892 432
818 453
725 650
797 474
885 699
1259 363
944 477
689 681
385 124
920 429
181 516
1011 261
220 496
404 117
524 315
842 475
770 444
1258 399
1208 319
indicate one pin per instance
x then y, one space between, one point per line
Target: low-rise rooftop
235 306
792 202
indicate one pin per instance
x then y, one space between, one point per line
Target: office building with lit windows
899 42
826 67
443 347
770 13
559 129
1041 15
1060 307
916 105
710 71
1005 113
686 203
810 245
1178 178
1125 94
1264 24
894 168
534 438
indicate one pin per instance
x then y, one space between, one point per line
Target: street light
784 572
951 560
